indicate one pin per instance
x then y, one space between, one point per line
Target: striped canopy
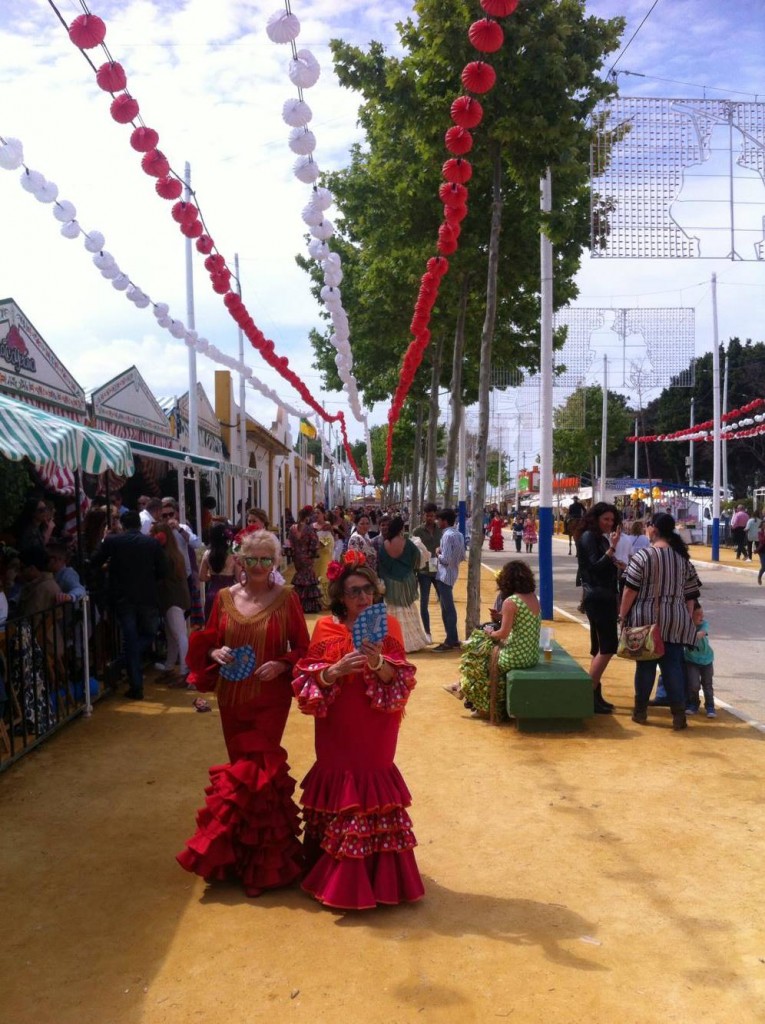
31 433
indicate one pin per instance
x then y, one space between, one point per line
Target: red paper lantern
457 170
215 263
192 228
144 139
486 35
446 245
478 76
184 212
169 188
155 164
455 214
220 283
437 266
458 140
232 300
452 194
111 77
124 108
87 31
205 244
499 8
466 112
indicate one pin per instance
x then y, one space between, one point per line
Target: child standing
699 668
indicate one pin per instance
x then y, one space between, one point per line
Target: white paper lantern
282 27
296 113
64 211
11 154
304 70
317 249
324 230
332 261
306 169
164 321
47 192
333 278
94 241
161 309
302 141
103 260
31 180
203 345
177 329
110 272
120 282
312 215
71 230
322 198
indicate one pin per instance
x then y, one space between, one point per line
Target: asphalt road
734 606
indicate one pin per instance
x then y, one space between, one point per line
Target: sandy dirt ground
608 876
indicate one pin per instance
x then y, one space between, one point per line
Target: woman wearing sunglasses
248 829
358 840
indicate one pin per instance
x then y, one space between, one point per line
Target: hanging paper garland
64 211
88 31
466 112
303 71
730 421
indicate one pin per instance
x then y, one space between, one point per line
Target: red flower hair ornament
236 546
351 559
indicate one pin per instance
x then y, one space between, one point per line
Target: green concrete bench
553 694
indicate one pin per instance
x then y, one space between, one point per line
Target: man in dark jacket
135 563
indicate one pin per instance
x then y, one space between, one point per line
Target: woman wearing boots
661 585
597 534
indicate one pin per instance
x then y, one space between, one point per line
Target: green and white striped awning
30 433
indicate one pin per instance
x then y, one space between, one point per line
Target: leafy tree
14 488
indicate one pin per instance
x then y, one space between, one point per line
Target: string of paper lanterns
64 211
478 77
283 27
734 424
88 32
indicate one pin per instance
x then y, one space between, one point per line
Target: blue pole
545 562
716 540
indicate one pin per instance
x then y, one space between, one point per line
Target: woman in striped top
661 585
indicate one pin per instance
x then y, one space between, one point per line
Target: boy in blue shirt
699 668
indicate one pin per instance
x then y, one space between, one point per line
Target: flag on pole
308 429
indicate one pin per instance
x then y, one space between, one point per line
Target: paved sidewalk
610 875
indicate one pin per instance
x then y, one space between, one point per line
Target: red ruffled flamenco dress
496 539
358 840
249 826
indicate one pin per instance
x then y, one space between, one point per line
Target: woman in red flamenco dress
358 839
249 826
496 540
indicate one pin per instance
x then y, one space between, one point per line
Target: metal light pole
242 411
604 431
546 453
716 427
691 451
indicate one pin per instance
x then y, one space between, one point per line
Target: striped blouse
663 571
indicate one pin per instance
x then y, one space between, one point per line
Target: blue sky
209 80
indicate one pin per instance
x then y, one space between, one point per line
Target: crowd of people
232 624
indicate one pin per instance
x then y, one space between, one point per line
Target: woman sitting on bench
490 653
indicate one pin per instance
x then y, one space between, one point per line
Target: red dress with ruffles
249 826
496 539
358 841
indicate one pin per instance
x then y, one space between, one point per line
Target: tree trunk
435 382
414 510
456 397
472 617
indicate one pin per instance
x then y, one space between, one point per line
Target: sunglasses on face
168 515
264 561
356 592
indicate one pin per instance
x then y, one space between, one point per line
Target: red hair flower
334 569
354 558
236 547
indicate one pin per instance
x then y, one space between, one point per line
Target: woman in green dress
492 651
